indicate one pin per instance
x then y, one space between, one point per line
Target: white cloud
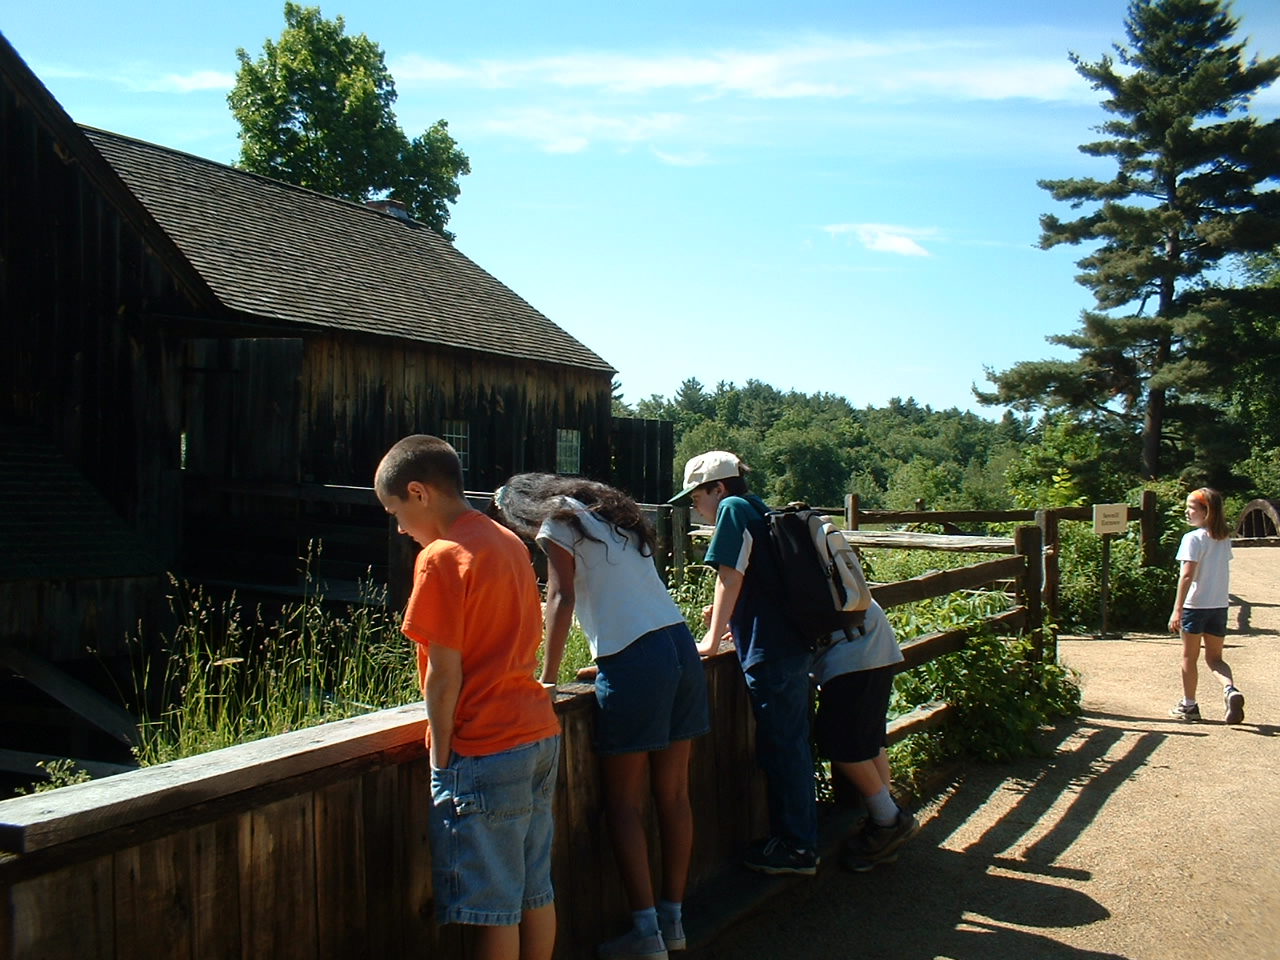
572 132
991 66
694 158
884 237
187 83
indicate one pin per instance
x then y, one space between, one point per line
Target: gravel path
1140 837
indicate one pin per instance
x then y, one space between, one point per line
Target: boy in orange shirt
492 732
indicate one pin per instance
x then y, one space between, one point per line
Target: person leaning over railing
855 674
650 685
775 658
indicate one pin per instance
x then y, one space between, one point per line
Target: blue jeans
779 691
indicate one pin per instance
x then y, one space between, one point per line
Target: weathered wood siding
359 396
81 363
68 619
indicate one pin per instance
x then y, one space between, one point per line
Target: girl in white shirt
650 685
1200 610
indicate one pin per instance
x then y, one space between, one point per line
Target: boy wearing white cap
775 658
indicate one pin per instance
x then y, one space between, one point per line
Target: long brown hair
1215 523
527 499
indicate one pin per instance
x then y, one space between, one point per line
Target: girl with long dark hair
650 685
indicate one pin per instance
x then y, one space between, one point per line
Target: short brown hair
426 459
1215 522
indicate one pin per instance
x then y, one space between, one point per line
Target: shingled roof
272 250
54 524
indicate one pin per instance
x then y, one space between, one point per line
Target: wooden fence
314 844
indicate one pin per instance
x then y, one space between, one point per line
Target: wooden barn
221 358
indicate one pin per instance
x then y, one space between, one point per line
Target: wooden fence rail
314 844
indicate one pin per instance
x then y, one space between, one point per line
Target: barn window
568 451
457 433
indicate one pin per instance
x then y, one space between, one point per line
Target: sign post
1108 520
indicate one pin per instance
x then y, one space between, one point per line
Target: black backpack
823 587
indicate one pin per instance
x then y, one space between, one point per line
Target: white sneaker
632 946
672 933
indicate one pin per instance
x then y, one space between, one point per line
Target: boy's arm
1184 586
559 612
444 683
728 587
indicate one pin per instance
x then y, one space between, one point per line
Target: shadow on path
982 881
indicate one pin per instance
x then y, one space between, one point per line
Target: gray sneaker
875 844
1187 712
632 946
1234 700
672 932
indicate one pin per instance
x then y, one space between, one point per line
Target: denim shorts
491 834
651 692
1213 622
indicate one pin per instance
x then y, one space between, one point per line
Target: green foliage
236 675
1141 597
315 110
1002 699
1159 354
61 773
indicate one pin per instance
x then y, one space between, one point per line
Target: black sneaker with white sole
1234 700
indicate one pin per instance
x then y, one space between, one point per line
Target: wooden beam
910 540
73 694
45 820
923 649
948 581
945 516
1256 542
921 718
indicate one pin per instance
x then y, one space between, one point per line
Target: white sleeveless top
619 595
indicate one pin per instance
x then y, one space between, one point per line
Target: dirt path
1140 837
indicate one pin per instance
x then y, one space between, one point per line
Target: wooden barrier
314 844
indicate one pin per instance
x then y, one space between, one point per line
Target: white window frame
457 433
568 451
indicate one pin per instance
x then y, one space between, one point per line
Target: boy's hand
706 616
587 674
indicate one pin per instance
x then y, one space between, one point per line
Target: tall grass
237 674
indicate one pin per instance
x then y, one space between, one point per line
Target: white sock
883 810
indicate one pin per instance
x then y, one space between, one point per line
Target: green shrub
1002 700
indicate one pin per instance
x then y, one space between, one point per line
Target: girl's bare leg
1190 670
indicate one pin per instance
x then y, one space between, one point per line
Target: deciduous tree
315 110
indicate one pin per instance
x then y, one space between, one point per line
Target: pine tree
1195 183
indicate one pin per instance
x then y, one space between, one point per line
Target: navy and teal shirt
760 626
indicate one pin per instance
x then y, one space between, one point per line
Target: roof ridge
274 181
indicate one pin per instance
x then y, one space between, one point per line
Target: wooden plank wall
81 362
339 865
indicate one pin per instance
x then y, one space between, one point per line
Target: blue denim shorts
651 692
491 834
1213 622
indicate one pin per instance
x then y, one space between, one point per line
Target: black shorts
850 725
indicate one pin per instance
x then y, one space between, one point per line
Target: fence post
664 551
679 543
1027 543
851 511
1150 527
1047 521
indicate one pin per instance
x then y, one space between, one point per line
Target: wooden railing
314 844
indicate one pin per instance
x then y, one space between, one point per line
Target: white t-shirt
619 595
1210 586
878 647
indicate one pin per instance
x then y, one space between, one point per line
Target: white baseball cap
706 467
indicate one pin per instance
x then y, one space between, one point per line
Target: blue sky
823 196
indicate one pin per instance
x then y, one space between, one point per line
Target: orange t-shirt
474 591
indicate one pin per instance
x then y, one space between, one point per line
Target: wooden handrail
947 581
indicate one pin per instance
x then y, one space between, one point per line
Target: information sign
1110 518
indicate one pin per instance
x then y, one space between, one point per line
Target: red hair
1215 523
